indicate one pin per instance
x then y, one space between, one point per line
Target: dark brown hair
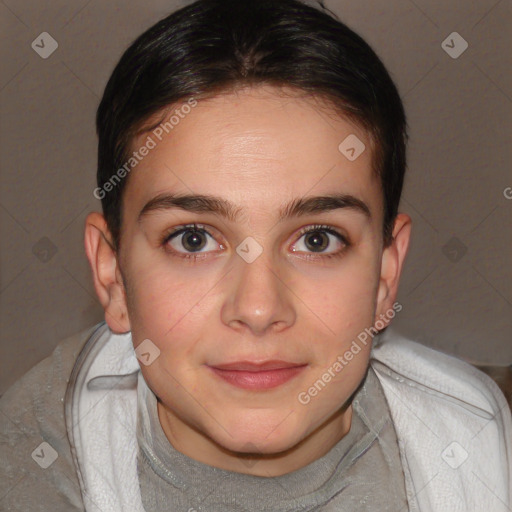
211 46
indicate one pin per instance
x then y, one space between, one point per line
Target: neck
200 447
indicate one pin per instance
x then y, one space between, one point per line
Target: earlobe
107 278
393 258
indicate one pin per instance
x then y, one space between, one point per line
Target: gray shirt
362 472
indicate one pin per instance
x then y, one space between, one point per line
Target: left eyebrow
219 206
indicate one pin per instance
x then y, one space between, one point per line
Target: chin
255 445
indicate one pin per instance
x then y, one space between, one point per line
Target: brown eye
190 241
316 241
193 240
319 239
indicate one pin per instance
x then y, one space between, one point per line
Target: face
252 296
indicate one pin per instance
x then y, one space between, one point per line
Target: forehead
257 147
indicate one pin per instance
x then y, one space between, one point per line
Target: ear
393 258
108 280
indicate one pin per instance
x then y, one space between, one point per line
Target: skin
259 149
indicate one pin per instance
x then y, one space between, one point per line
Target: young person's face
206 304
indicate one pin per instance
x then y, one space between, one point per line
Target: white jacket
453 425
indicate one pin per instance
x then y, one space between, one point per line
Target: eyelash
309 229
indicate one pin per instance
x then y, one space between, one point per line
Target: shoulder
447 414
33 434
410 362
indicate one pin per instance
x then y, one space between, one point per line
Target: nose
258 298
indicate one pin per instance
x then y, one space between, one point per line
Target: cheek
345 299
155 299
169 305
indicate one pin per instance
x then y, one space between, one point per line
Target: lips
257 376
256 367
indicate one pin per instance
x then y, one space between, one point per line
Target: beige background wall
456 291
